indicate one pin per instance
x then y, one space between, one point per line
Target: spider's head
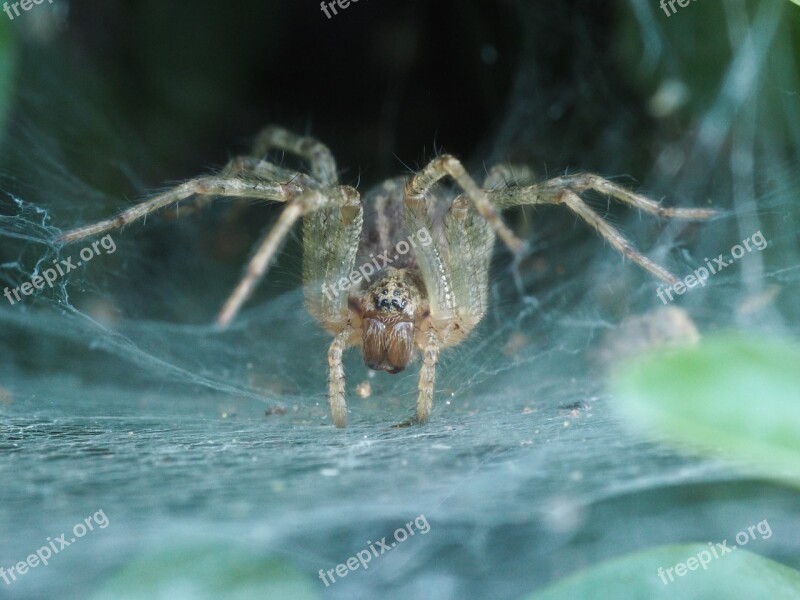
389 313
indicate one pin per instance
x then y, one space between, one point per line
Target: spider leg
330 233
507 175
427 376
203 186
330 242
614 237
258 167
318 155
336 388
470 238
582 182
250 167
455 268
458 292
323 165
445 165
305 203
554 192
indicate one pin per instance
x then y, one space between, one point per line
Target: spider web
116 392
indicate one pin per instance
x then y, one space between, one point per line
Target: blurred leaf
8 58
686 51
733 394
208 572
636 577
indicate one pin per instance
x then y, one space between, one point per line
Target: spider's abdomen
385 235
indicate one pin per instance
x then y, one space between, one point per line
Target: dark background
133 96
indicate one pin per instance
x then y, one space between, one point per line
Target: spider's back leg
341 200
319 157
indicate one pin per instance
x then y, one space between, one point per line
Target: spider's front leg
449 166
455 269
330 242
337 400
427 376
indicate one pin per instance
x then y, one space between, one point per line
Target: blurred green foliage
8 60
732 394
700 49
207 572
739 574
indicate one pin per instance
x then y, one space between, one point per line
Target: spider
427 298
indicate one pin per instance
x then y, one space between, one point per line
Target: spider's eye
385 291
397 292
395 301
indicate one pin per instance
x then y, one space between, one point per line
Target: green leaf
207 573
737 574
732 394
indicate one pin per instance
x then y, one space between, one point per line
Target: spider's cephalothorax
430 297
390 310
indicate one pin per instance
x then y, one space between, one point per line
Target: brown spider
433 294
